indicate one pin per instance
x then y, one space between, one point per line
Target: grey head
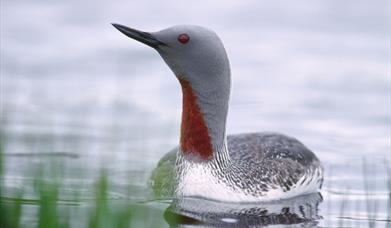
193 53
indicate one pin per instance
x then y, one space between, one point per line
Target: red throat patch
195 138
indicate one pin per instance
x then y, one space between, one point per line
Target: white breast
199 181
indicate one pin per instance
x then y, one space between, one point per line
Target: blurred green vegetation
47 207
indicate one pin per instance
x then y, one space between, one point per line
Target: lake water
73 86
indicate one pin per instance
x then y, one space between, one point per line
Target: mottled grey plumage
259 162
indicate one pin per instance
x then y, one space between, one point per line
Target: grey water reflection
302 210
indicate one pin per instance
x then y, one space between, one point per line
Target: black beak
143 37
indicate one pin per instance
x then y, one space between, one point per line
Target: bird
208 163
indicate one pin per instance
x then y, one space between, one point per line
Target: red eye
183 38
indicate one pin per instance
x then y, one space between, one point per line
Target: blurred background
73 87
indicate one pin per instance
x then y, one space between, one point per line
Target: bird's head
193 53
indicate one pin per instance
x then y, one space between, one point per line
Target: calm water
318 71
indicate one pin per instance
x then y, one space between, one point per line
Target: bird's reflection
301 210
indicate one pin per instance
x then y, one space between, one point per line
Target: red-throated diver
238 168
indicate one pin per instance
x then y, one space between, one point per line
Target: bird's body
262 166
207 163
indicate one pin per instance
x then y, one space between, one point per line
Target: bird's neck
204 115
